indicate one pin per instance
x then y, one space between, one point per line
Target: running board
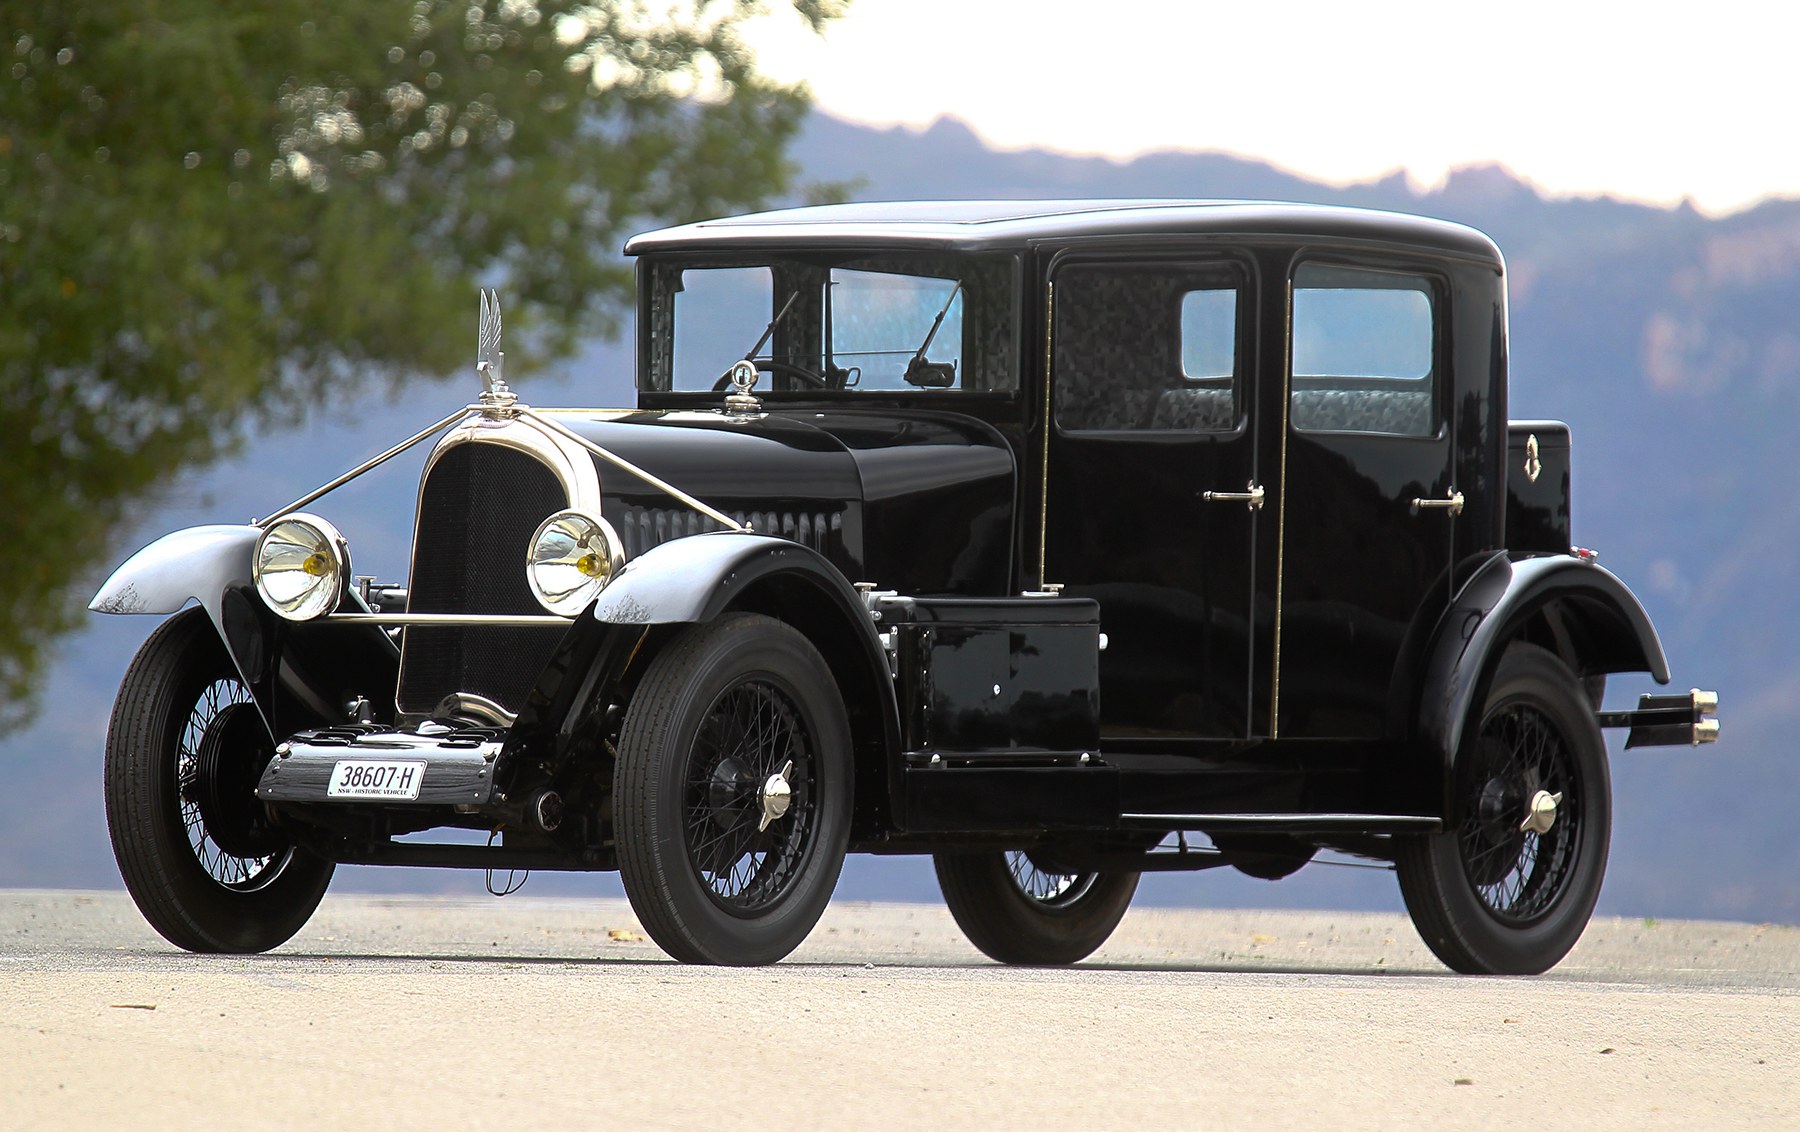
1293 823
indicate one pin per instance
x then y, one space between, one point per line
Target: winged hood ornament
490 362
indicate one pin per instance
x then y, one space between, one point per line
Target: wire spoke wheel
1054 890
1519 874
208 721
1510 885
748 736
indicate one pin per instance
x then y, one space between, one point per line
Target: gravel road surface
423 1012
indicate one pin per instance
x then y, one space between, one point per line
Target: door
1151 494
1368 509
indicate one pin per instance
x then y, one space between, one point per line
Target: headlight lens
573 556
300 566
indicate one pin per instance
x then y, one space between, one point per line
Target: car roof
976 225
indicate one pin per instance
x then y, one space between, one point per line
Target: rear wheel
183 755
1016 912
1510 889
732 792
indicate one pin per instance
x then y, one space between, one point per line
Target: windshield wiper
933 375
773 323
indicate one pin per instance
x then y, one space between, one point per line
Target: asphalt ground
427 1012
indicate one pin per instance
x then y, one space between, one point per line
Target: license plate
376 778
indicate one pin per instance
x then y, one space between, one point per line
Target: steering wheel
810 377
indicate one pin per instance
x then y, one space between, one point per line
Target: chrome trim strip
1287 397
1354 820
366 465
627 465
514 619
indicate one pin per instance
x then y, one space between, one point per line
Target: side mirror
930 375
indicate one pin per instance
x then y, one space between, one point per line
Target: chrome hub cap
1540 812
776 796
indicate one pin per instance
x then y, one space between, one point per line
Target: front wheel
1016 912
183 756
732 792
1510 888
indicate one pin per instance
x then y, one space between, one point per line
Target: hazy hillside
1667 340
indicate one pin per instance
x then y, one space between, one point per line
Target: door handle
1452 503
1253 497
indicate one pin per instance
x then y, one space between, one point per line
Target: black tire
1016 912
1488 898
718 712
183 754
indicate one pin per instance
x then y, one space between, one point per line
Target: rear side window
1147 347
1209 334
1364 352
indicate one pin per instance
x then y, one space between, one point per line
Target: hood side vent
642 528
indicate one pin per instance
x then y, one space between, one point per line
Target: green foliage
212 214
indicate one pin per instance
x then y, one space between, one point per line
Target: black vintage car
1061 541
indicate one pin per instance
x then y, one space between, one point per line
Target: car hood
916 501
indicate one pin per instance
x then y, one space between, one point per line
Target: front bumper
458 764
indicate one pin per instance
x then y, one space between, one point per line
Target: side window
1209 334
1146 347
1363 352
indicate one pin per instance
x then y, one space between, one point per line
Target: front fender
695 578
198 564
1600 620
700 577
297 674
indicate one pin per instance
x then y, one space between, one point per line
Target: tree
212 215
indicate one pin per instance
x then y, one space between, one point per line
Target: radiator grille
477 513
641 528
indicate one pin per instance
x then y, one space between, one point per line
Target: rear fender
1574 608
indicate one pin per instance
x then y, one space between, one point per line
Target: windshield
869 324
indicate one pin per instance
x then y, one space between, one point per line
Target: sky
1652 102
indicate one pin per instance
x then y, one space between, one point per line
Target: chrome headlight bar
302 562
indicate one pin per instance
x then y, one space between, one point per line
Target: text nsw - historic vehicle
1061 541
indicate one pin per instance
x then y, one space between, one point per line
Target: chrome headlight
300 566
572 557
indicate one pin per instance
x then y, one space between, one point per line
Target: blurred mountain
1664 337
